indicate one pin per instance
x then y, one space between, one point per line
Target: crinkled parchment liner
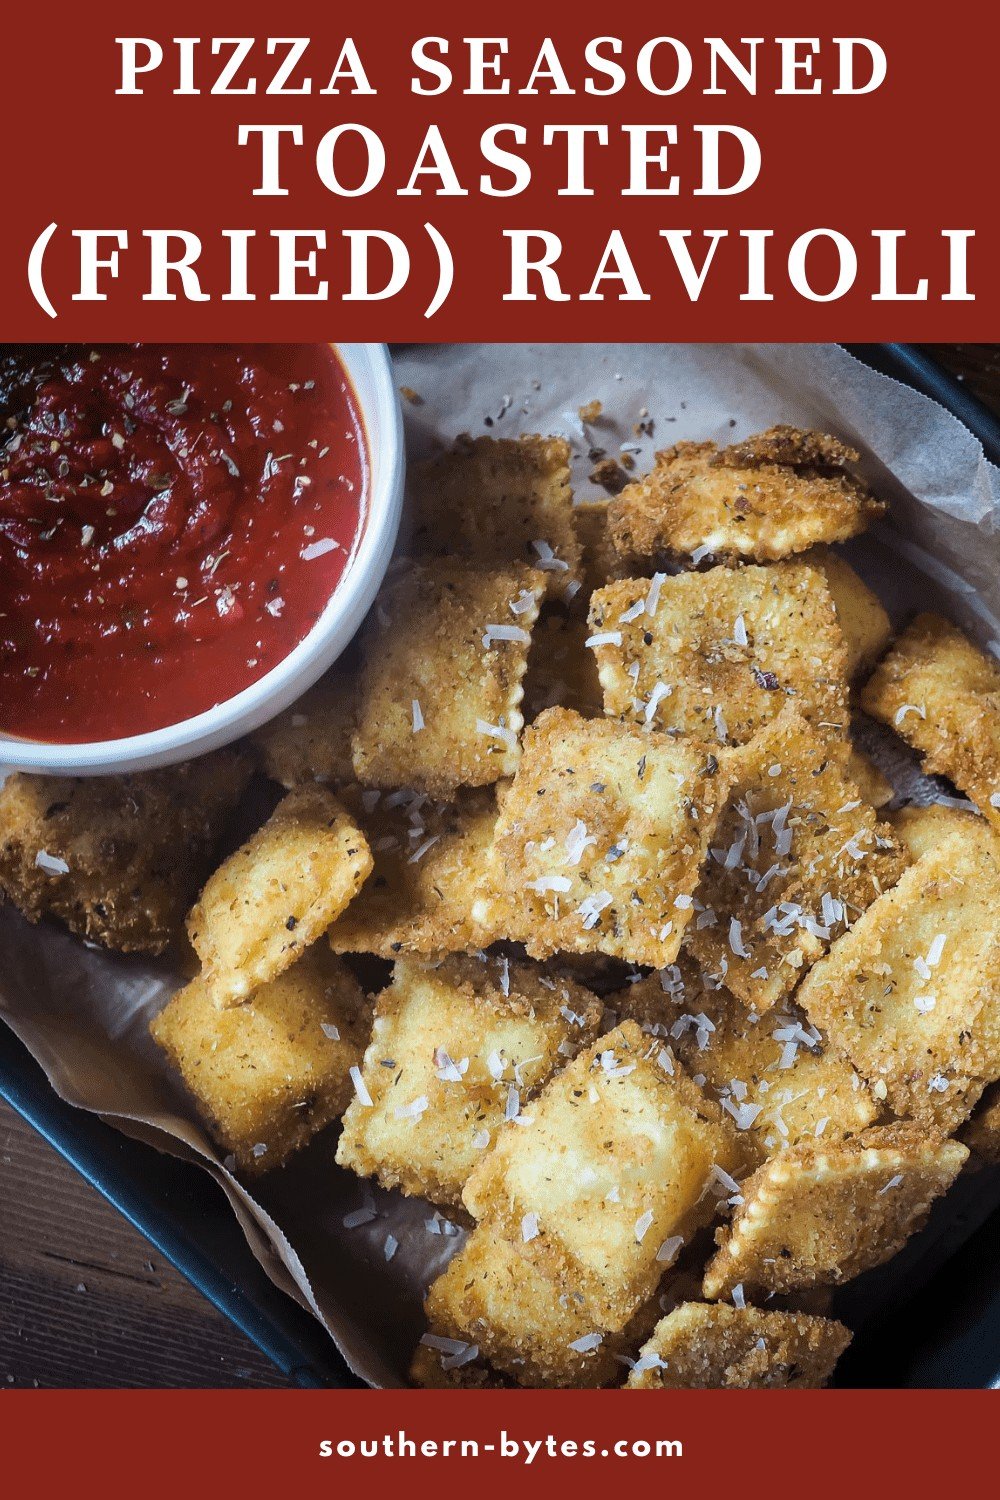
84 1013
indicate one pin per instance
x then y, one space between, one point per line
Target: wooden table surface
84 1301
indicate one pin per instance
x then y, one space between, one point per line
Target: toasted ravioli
456 1049
500 498
311 741
430 862
600 840
773 1074
267 1075
912 993
561 670
278 893
981 1132
493 1304
941 694
865 624
710 1346
875 788
921 829
717 655
796 857
613 1162
119 859
445 652
820 1214
773 495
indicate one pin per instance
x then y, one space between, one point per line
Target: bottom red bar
742 1443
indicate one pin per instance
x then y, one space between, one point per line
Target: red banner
750 1443
214 171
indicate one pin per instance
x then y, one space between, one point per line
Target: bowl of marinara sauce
190 535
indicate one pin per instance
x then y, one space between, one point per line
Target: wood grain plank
86 1301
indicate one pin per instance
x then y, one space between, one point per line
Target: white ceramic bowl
369 369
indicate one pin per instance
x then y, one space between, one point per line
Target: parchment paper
84 1013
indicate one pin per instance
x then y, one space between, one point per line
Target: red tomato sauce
173 520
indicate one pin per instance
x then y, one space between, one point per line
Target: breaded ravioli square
445 651
711 1346
491 1304
862 618
430 863
119 859
456 1049
717 655
609 1171
278 893
941 694
268 1074
600 840
818 1215
500 498
912 993
311 741
773 495
796 857
772 1074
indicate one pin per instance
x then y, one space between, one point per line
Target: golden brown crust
796 856
921 829
430 868
455 1048
311 741
717 655
764 499
613 1162
710 1346
912 993
942 695
497 498
278 893
823 1214
267 1075
772 1074
493 1305
117 858
440 692
793 447
600 839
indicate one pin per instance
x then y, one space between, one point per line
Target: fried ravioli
500 498
761 500
457 1048
117 858
600 840
941 694
278 893
445 652
268 1074
710 1346
717 655
823 1214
